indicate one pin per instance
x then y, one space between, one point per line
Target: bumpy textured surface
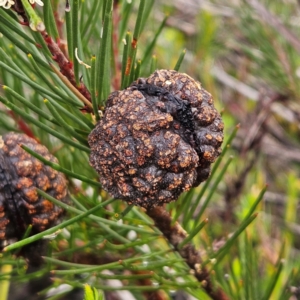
157 138
20 174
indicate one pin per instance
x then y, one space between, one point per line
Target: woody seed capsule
157 138
20 175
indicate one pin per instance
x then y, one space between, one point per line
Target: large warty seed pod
20 175
156 139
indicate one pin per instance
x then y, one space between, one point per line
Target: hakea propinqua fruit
20 175
157 138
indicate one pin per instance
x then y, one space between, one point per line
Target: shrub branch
66 66
175 234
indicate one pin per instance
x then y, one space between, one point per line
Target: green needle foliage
59 63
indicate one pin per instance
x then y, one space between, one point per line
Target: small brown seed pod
20 175
157 138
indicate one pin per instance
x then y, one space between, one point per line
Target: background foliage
246 53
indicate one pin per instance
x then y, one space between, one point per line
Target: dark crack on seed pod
20 175
157 138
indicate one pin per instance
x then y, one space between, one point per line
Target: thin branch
66 67
71 87
267 17
116 81
175 234
282 110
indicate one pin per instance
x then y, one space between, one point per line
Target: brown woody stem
71 87
175 234
66 66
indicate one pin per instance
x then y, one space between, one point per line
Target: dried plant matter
157 138
20 175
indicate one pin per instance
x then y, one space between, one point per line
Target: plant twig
276 23
282 110
71 87
175 234
116 18
66 67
